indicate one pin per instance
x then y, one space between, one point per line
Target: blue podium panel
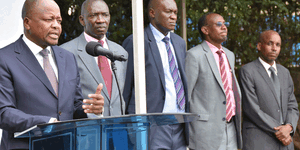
128 132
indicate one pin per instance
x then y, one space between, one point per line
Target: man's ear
258 46
81 20
204 30
26 22
151 13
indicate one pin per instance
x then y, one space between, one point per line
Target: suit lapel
114 90
61 65
90 63
212 64
281 79
266 77
27 58
156 55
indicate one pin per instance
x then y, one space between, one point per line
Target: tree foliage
247 20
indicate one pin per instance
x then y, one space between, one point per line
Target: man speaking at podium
39 82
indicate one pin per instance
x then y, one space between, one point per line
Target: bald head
266 34
85 4
31 5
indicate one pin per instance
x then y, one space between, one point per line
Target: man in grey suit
270 110
213 90
95 18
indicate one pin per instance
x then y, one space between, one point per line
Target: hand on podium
96 103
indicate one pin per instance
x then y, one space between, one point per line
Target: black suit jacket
26 95
155 79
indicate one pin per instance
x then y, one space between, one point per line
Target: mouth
54 35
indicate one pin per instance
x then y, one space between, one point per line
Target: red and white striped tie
229 100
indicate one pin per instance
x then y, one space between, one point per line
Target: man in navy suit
164 59
39 82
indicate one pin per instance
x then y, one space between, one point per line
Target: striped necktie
180 98
230 112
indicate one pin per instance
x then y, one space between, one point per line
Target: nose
173 16
56 24
100 18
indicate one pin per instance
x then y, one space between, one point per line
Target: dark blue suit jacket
155 78
26 95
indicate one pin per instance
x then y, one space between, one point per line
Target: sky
11 26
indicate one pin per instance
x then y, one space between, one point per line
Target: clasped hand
283 134
96 103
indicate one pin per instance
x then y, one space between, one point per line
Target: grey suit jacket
90 75
261 110
207 98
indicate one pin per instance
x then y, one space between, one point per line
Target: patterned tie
49 70
175 75
230 103
105 71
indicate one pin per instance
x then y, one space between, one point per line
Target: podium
128 132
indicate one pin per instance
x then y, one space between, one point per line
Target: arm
192 73
251 107
284 132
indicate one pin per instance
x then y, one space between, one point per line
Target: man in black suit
166 85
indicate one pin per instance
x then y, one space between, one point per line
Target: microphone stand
114 68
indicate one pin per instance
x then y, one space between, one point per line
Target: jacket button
59 112
223 119
224 102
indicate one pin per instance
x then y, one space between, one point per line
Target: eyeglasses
219 24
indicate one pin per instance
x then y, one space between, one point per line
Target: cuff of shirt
52 120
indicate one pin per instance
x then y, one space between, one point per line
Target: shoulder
250 67
176 38
282 68
198 49
116 46
71 43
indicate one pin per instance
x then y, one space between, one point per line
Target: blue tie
175 75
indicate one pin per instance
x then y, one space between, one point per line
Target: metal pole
183 20
139 57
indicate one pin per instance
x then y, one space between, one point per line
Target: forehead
45 8
166 4
272 37
214 18
97 6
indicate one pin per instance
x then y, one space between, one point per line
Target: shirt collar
266 65
35 49
213 48
157 34
90 38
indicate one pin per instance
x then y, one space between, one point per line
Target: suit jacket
207 98
155 78
26 95
261 110
90 75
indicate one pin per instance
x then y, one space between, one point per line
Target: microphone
95 49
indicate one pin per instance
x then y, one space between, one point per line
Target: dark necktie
105 71
230 103
276 85
49 70
180 98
